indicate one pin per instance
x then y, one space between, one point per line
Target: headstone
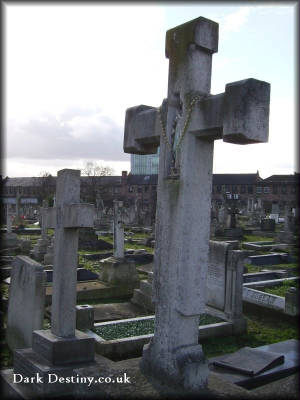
223 216
119 272
40 249
287 235
225 284
9 240
275 208
267 224
49 256
188 123
63 347
26 302
88 240
292 301
275 217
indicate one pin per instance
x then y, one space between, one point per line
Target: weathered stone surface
118 226
70 216
84 317
26 302
141 125
119 272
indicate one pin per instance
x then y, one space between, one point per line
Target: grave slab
26 302
288 348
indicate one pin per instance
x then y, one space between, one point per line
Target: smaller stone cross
66 218
43 220
8 219
118 230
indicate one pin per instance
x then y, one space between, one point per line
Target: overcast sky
72 70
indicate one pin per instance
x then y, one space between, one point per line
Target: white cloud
234 21
86 134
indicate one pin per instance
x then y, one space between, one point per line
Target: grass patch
262 330
254 238
253 268
281 290
108 239
4 290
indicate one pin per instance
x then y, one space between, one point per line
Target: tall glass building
144 164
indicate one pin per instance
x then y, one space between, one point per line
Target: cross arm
74 216
240 115
142 130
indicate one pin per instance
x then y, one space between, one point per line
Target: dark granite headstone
250 361
288 348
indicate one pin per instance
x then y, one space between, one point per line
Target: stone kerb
263 299
26 302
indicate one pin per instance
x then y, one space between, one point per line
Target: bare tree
47 187
93 169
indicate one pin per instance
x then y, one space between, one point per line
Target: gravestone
225 284
188 122
26 302
40 249
88 240
292 301
275 208
49 256
62 348
267 224
9 239
287 235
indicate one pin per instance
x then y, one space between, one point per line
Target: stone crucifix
66 218
185 127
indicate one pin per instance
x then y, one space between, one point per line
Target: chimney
124 178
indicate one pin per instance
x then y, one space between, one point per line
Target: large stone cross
66 218
185 127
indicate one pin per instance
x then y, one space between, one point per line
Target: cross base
189 370
63 351
45 379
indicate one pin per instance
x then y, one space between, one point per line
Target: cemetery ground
263 327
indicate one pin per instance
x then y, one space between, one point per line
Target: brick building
141 189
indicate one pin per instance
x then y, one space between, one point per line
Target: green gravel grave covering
141 327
